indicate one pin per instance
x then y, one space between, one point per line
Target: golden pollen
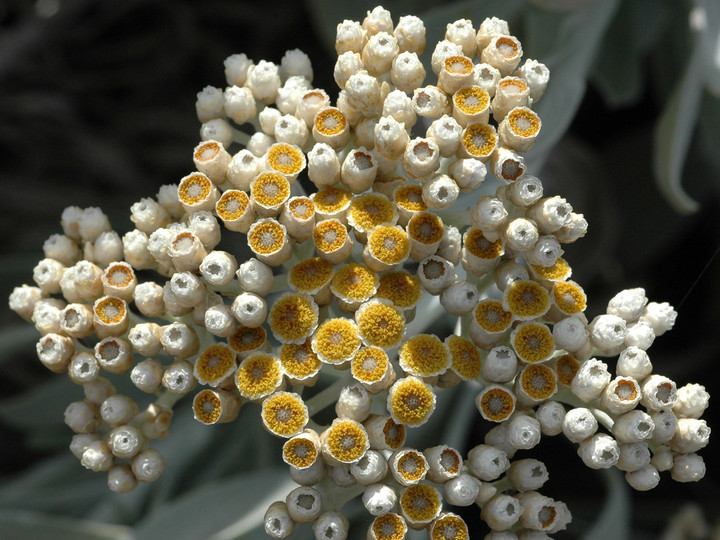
557 272
497 404
310 275
299 361
354 282
479 140
266 237
232 204
566 367
299 452
471 99
401 288
479 246
194 189
207 407
370 365
246 339
207 151
569 297
270 190
389 244
380 324
332 200
214 364
111 310
524 122
460 65
119 275
336 340
420 503
538 381
258 376
424 355
389 527
293 317
330 121
329 235
507 47
532 342
346 440
284 414
426 228
302 208
410 401
367 211
526 299
491 316
286 158
409 197
466 361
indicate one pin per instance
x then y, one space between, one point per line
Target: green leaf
22 525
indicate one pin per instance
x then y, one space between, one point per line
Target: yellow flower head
409 198
538 381
566 367
495 403
420 504
480 247
410 401
232 204
569 297
311 275
532 342
287 159
389 244
293 318
346 440
302 450
402 289
449 527
370 365
245 339
354 282
388 527
299 362
336 341
424 355
258 376
215 365
526 300
490 315
559 271
284 414
369 210
479 140
380 323
466 360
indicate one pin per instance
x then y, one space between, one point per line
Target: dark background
97 109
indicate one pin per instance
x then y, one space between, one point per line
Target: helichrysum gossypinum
344 207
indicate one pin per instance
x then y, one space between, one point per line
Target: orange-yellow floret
303 208
311 275
409 197
426 228
258 376
412 466
449 527
207 151
626 389
466 360
507 47
329 235
332 200
480 247
346 440
370 365
524 122
495 403
410 401
119 275
286 158
491 316
110 310
402 289
293 317
538 381
420 503
336 340
471 99
246 339
284 414
566 367
330 121
215 364
458 64
354 282
389 527
526 300
424 355
569 297
207 407
299 361
299 452
380 324
389 244
513 85
194 189
532 342
371 209
557 272
270 189
232 204
394 434
479 140
266 237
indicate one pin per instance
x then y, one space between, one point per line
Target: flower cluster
350 213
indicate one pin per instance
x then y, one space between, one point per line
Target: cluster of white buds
344 208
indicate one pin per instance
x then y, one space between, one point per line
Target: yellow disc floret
480 247
299 361
424 355
300 452
215 364
284 414
526 300
285 158
266 237
420 503
303 208
402 289
371 209
310 275
538 381
449 527
207 407
354 282
270 190
389 527
370 365
336 340
258 376
409 197
394 434
466 360
495 403
458 64
533 342
110 310
524 122
426 228
194 189
245 339
332 200
346 440
329 235
389 244
232 204
479 140
380 324
491 316
557 272
410 401
566 367
330 121
119 275
293 317
412 466
569 297
471 99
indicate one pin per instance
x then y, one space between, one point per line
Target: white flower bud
410 34
443 50
179 378
97 457
147 375
444 463
422 158
525 191
521 234
490 28
76 320
277 520
209 104
536 75
135 250
436 274
607 332
579 424
125 441
47 274
323 166
363 93
570 334
661 317
148 465
407 71
371 468
500 365
527 474
440 192
633 426
644 478
349 36
353 402
576 229
61 248
83 368
691 435
635 363
590 380
691 401
80 441
348 64
430 102
450 246
487 462
524 431
551 416
462 490
310 475
628 304
187 288
144 338
461 32
501 512
621 395
446 133
665 425
47 315
379 52
688 468
304 504
379 499
340 475
179 340
255 277
55 351
640 335
249 309
331 525
82 416
662 459
359 169
658 393
599 451
503 52
633 456
459 298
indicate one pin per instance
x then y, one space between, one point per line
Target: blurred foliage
97 109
